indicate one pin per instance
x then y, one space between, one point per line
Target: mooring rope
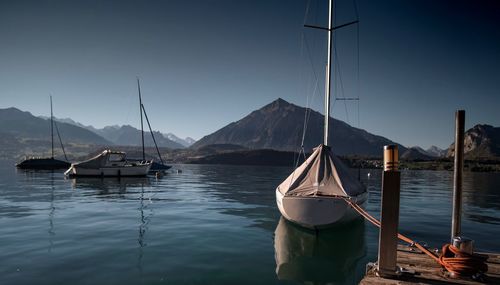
452 259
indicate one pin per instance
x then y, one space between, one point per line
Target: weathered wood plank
427 271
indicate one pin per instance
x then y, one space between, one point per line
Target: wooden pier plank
427 271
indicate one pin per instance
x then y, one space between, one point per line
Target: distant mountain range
23 125
128 135
435 151
482 142
279 126
187 142
416 153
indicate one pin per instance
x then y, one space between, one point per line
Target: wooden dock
421 269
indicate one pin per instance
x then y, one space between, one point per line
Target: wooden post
389 217
458 173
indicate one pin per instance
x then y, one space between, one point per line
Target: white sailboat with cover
313 195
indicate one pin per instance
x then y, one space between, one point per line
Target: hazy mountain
190 140
128 135
480 142
436 151
24 125
415 153
187 142
23 134
279 126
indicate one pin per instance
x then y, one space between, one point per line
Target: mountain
23 125
187 142
190 141
481 142
436 151
23 134
279 126
128 135
415 153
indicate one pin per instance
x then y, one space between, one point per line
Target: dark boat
46 163
155 167
159 167
43 164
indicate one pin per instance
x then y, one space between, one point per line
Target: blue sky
204 64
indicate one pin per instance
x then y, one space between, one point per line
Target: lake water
210 225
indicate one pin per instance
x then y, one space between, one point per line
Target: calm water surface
209 225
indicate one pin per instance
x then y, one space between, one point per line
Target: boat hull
155 167
43 164
135 170
317 211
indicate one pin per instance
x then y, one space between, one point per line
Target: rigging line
51 126
304 42
358 69
151 131
307 114
355 4
356 12
300 71
60 140
337 62
308 51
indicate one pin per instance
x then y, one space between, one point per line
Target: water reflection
145 217
481 190
326 257
109 186
52 212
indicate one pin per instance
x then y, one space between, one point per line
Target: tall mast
51 126
142 125
328 71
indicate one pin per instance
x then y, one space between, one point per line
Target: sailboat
314 194
155 167
46 163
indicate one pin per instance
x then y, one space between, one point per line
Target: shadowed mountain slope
279 126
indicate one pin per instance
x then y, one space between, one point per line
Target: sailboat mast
142 124
51 126
328 72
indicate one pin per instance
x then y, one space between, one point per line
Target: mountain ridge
481 142
279 126
128 135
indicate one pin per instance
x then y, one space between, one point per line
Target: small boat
109 163
46 163
314 194
42 163
155 167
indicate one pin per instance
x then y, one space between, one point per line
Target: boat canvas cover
322 174
95 162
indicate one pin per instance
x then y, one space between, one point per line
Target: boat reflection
109 186
327 257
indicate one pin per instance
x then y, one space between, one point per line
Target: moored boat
43 163
314 195
156 166
109 163
47 163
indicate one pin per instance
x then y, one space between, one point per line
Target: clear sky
204 64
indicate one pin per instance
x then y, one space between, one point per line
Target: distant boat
313 195
46 163
109 163
155 167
